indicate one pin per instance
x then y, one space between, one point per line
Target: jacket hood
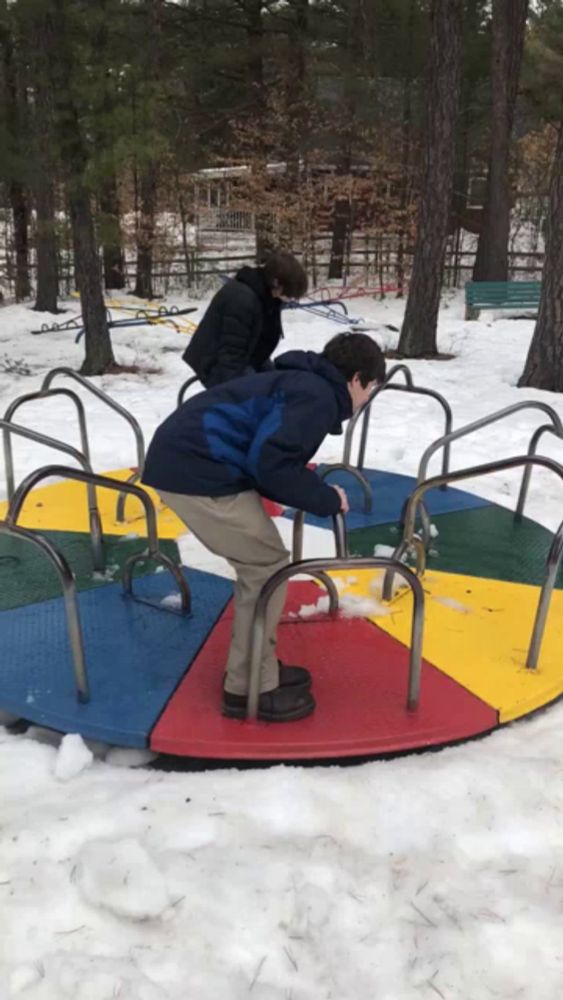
254 278
316 364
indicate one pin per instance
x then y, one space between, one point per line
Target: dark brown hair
284 268
356 352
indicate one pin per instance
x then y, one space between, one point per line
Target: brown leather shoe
283 704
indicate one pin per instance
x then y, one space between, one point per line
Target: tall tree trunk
509 26
544 364
112 249
405 154
146 230
46 246
46 250
149 173
99 354
15 131
20 215
341 222
418 334
109 222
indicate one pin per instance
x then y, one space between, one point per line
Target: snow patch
121 876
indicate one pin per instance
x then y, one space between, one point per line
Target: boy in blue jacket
215 457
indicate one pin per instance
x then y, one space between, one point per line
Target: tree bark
15 129
44 44
509 26
112 249
418 334
145 232
20 215
149 174
99 354
544 364
341 221
46 246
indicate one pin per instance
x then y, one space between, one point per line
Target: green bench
500 295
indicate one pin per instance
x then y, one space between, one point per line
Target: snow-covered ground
438 875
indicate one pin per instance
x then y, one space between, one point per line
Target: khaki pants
237 528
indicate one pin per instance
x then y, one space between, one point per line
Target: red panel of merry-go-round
360 682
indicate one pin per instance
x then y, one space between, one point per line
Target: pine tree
509 25
418 334
66 27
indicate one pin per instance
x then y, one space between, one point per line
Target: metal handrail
43 394
365 410
352 471
476 425
532 448
417 391
316 568
338 527
94 519
184 388
71 604
131 420
552 565
554 555
153 552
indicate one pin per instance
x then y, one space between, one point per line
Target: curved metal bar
417 391
94 519
164 560
476 425
552 565
44 393
311 567
184 388
338 527
483 470
133 423
70 601
366 487
121 500
105 482
333 598
402 551
532 448
349 433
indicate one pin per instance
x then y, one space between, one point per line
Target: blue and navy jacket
257 432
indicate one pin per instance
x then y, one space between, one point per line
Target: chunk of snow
172 601
73 757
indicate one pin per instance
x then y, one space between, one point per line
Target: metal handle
312 567
103 396
484 422
71 604
339 530
94 519
554 555
154 552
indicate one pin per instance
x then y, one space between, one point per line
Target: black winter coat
239 331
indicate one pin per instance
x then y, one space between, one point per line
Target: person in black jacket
215 457
242 327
